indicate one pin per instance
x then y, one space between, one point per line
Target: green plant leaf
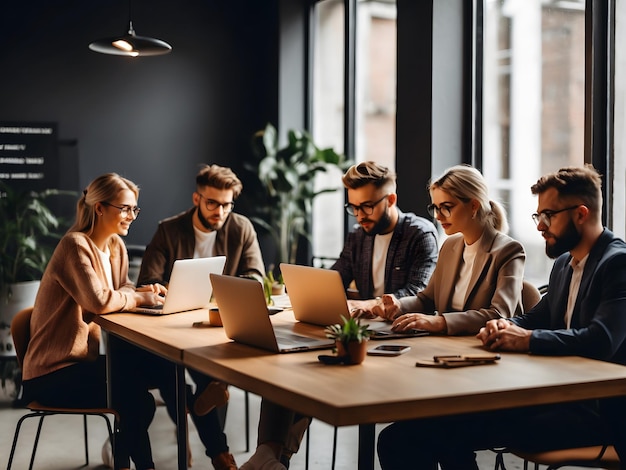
350 329
28 230
287 175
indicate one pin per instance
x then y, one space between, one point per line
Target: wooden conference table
382 389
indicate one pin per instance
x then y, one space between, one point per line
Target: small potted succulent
351 339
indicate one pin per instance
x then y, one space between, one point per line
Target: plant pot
278 289
353 351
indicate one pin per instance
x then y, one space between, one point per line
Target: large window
619 168
538 85
533 106
376 82
328 121
374 95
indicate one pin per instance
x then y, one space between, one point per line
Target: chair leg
308 447
32 456
16 437
334 448
112 430
536 465
85 436
499 460
247 413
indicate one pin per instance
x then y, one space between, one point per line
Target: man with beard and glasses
389 252
209 228
581 314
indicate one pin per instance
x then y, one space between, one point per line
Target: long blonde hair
103 189
466 183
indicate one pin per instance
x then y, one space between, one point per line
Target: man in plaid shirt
389 252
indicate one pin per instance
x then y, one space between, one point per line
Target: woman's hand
156 288
150 294
420 321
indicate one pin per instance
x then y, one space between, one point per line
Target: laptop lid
246 320
189 287
317 295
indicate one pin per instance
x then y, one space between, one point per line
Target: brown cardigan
73 289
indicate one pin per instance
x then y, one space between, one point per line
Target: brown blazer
494 291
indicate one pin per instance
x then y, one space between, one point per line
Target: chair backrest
20 331
530 295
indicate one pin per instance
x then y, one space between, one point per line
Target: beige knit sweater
73 289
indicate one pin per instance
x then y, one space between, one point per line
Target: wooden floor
61 442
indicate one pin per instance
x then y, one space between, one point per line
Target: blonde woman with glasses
87 276
479 273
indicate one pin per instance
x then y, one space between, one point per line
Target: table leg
367 435
181 409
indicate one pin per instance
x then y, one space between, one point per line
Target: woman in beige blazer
480 269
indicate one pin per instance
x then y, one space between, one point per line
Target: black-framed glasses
212 204
125 209
545 216
367 208
444 209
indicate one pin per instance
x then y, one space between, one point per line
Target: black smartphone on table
388 350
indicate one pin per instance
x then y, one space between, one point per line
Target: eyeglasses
367 208
125 210
212 204
545 217
443 209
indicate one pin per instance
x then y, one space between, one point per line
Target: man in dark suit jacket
583 313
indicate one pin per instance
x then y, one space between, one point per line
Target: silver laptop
189 287
317 295
246 320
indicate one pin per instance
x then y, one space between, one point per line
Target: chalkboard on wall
29 155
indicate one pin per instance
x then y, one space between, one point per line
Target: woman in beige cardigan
480 270
86 276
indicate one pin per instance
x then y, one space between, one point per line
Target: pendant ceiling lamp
130 44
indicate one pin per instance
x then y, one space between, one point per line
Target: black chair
20 331
589 457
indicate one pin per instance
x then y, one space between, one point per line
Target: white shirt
465 274
574 287
105 257
205 243
379 261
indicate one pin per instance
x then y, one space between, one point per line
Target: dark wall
151 119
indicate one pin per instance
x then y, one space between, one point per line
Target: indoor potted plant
287 175
29 230
350 338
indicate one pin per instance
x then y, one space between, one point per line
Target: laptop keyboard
286 338
149 309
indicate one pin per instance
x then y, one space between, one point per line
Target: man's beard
566 242
381 226
205 222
